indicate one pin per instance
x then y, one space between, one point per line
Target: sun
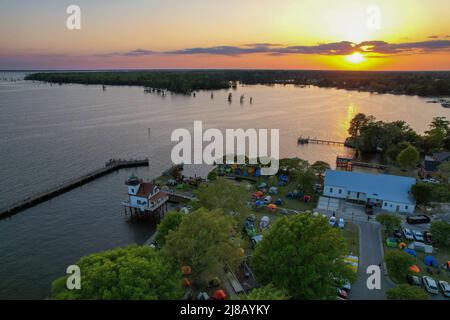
355 58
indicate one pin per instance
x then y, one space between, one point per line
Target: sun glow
355 58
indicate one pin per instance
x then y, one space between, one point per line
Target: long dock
111 166
306 140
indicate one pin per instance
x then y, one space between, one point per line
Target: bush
441 233
406 292
397 263
170 223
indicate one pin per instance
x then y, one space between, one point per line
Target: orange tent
219 295
414 268
186 282
272 207
402 245
186 270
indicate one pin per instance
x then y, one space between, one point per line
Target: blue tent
278 202
430 261
411 252
259 203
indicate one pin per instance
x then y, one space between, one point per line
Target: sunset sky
265 34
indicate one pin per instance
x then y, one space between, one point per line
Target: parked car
341 293
418 219
418 235
255 239
332 221
414 281
430 285
408 234
431 180
445 288
341 223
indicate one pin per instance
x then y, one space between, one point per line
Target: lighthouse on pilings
144 199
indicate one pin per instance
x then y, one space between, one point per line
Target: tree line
431 83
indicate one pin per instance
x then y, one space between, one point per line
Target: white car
408 234
332 221
430 285
341 223
445 288
430 180
418 235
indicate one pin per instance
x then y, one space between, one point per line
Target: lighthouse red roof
145 189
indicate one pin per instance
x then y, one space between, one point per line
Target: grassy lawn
441 255
351 234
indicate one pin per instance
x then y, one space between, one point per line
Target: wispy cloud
332 48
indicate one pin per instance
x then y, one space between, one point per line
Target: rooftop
378 186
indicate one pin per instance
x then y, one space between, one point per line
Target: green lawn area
351 234
441 255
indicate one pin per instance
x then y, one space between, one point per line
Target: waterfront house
389 192
144 196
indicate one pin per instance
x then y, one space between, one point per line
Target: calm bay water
49 134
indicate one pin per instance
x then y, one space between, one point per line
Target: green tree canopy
441 233
422 192
206 241
170 223
435 137
134 272
301 254
406 292
389 221
444 170
357 123
398 263
319 167
408 157
267 292
224 195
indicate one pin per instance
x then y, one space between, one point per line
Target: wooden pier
111 166
347 163
307 140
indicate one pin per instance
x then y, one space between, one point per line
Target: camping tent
430 261
391 242
420 246
414 268
259 203
219 295
273 190
410 251
264 223
279 202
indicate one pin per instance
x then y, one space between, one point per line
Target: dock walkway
111 166
307 140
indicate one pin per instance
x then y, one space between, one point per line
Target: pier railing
31 201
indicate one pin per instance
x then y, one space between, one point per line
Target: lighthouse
144 197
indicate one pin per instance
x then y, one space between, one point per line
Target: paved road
370 253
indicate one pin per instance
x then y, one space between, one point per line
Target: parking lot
371 249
